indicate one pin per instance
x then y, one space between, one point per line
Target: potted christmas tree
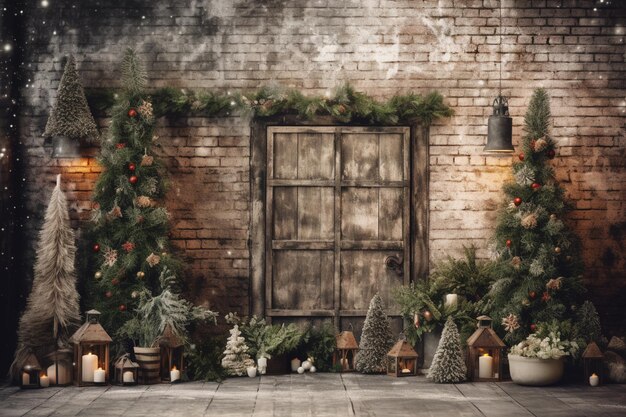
376 339
538 270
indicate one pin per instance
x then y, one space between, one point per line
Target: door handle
395 263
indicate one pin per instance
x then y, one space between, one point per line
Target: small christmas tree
236 358
587 324
448 366
71 116
537 276
52 310
376 339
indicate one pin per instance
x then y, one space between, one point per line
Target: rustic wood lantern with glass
126 371
592 362
60 369
91 352
345 352
172 351
484 353
402 359
31 372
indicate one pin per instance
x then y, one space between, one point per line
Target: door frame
419 163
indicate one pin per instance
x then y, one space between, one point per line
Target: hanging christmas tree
236 358
538 273
376 339
52 310
129 239
448 366
71 116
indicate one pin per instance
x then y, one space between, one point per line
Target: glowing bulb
7 47
44 3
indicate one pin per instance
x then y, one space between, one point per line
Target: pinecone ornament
540 145
555 283
147 161
153 259
529 221
143 201
145 110
524 176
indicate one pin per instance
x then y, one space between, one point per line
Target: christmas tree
129 237
537 275
71 116
52 310
376 339
448 366
236 358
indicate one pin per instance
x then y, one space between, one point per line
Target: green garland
345 106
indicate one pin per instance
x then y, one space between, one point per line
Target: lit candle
25 378
44 381
90 364
262 364
451 300
128 377
295 364
175 374
406 371
594 380
485 366
98 376
65 375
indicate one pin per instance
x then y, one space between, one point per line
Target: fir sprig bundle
538 268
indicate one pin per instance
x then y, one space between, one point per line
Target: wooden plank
370 129
337 232
327 280
276 312
300 183
406 195
258 175
284 150
419 202
303 244
304 129
359 156
359 211
315 156
391 214
392 157
374 184
315 213
285 212
372 245
296 280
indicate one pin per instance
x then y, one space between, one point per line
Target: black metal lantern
65 147
500 127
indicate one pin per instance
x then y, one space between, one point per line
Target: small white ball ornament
307 365
300 370
313 369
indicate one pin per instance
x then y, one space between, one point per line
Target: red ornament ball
120 145
115 281
551 154
122 307
521 156
132 113
508 243
108 294
132 167
517 201
532 294
96 247
133 179
533 327
535 186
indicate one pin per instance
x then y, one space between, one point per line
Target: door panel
338 206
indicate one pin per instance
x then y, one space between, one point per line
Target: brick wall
573 48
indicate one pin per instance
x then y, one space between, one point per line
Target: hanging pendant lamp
500 125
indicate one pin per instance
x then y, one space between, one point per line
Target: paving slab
317 395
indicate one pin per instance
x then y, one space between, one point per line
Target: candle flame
99 368
594 374
174 368
486 354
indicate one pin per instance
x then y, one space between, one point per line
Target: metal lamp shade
64 147
500 134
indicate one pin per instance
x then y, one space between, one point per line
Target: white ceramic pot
251 371
535 371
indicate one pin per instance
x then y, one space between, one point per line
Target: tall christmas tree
129 238
52 310
71 117
538 273
236 358
376 339
448 366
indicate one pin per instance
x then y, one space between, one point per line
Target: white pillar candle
251 371
594 380
25 378
485 366
262 364
174 374
451 300
90 364
295 364
128 377
44 381
98 376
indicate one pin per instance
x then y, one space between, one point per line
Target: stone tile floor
317 395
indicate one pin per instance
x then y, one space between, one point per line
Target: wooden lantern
126 371
402 359
345 351
592 362
31 372
60 371
91 352
484 353
172 351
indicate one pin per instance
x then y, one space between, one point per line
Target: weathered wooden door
337 208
